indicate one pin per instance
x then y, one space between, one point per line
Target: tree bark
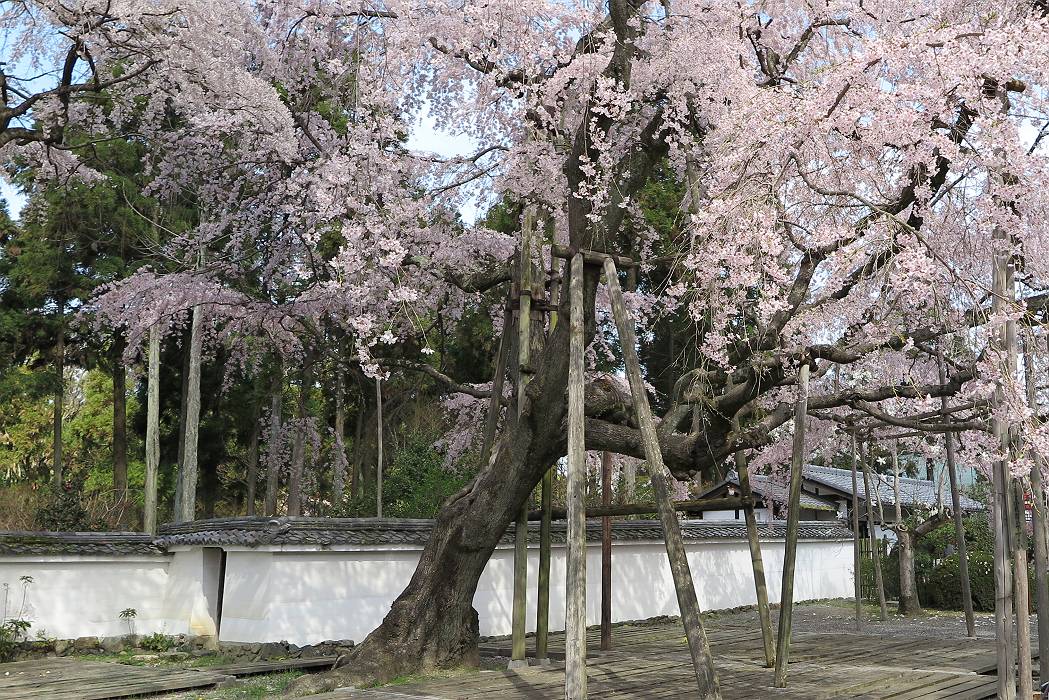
273 449
188 468
338 477
252 475
856 581
959 526
298 451
358 450
790 548
152 432
119 421
183 407
378 448
875 545
1041 541
909 603
60 399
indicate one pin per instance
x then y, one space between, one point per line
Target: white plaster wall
308 596
78 596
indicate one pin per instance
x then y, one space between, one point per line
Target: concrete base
517 664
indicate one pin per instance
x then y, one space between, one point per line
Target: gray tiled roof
766 487
257 532
253 532
913 492
83 543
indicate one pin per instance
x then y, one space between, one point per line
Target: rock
200 653
86 644
174 655
146 658
113 645
62 646
271 650
228 682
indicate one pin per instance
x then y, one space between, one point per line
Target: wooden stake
790 548
1041 542
856 581
606 553
959 525
760 587
659 476
152 432
575 583
875 546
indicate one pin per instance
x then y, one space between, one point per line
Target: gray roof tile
913 492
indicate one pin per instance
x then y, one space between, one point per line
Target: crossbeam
694 506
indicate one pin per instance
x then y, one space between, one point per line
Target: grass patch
127 658
253 688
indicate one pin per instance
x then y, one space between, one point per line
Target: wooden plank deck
74 679
652 662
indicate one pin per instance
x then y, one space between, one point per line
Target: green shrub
158 642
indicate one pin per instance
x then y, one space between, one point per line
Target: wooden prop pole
1001 484
1023 625
871 537
606 553
790 549
756 562
524 374
1041 542
542 615
659 476
856 581
575 583
959 525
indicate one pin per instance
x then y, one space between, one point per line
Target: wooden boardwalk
74 679
652 662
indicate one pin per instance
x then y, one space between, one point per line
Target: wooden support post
1023 625
152 432
575 583
856 537
542 614
875 545
659 476
606 553
1001 483
524 369
790 548
1041 541
756 562
959 525
542 618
